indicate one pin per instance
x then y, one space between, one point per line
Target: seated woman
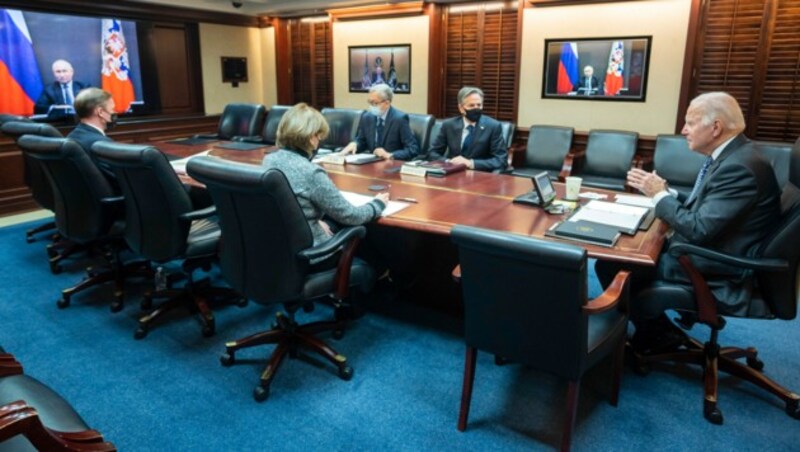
300 131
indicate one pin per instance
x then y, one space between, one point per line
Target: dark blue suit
53 95
488 150
397 136
86 136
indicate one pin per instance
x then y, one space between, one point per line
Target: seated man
61 92
384 130
588 84
474 139
95 110
734 202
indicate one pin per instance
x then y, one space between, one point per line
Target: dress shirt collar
102 132
720 148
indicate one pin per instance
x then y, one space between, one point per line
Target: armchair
608 157
161 225
267 254
547 150
421 126
774 265
779 156
525 301
238 120
343 123
269 134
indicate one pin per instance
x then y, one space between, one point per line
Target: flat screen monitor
544 188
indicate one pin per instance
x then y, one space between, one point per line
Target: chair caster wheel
755 364
243 302
713 415
793 409
338 334
30 239
227 359
63 302
260 393
117 304
208 331
140 333
346 373
146 303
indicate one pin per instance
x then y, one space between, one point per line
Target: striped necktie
467 139
700 176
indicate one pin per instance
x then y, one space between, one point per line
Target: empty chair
269 133
508 129
239 120
794 164
608 157
778 155
547 149
343 123
525 302
436 129
161 225
266 253
421 126
675 162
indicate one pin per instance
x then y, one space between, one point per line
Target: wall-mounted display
373 65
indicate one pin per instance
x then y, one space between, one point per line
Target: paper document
359 200
180 165
625 217
360 158
633 200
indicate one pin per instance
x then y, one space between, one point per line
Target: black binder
585 231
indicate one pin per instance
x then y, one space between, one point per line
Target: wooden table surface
471 198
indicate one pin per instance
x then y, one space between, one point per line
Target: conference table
471 198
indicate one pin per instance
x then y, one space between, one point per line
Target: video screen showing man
58 98
588 84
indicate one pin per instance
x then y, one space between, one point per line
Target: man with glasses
383 129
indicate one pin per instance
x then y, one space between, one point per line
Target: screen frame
353 76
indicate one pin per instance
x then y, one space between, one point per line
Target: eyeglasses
375 104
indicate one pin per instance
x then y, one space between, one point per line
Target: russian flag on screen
116 65
20 81
568 68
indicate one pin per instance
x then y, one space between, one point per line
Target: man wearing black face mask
95 110
474 139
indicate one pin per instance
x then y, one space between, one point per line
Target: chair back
609 153
78 187
4 118
548 146
16 129
154 199
263 229
270 133
675 162
508 130
343 124
780 290
421 126
436 129
794 164
241 120
523 298
779 156
33 174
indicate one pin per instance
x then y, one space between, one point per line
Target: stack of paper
625 217
180 165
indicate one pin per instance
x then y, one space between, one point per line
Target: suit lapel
737 142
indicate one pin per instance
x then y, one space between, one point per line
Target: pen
411 200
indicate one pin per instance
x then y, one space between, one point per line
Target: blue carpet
169 392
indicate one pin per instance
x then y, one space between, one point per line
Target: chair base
61 249
713 358
289 337
117 273
30 233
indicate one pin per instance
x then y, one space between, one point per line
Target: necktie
467 139
700 176
379 132
588 85
67 94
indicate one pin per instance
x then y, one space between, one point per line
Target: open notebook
359 200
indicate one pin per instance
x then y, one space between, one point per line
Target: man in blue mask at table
383 129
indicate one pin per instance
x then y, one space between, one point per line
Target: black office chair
508 129
266 253
421 126
34 417
269 134
238 120
343 123
794 164
779 156
33 175
675 162
608 157
436 129
775 266
547 149
525 301
161 225
87 212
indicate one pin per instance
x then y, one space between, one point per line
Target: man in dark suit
95 110
61 92
384 130
588 84
735 201
474 139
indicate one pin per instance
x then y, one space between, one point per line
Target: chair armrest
9 365
615 293
199 214
333 244
249 139
770 265
516 152
113 200
18 418
571 161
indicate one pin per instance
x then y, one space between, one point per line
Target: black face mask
112 121
473 115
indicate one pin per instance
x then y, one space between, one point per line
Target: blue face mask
375 110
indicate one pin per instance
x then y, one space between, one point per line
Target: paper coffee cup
573 187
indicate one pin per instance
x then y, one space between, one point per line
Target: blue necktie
467 139
379 132
700 176
67 94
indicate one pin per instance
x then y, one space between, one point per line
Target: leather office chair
421 126
547 149
34 417
161 225
508 129
436 129
87 212
33 175
266 253
675 162
775 266
525 301
343 123
269 134
778 155
608 157
239 120
794 164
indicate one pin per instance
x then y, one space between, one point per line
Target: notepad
357 200
625 217
585 231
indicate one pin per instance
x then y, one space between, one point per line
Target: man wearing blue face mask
383 129
472 139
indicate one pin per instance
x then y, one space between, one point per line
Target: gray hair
467 91
720 106
383 90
